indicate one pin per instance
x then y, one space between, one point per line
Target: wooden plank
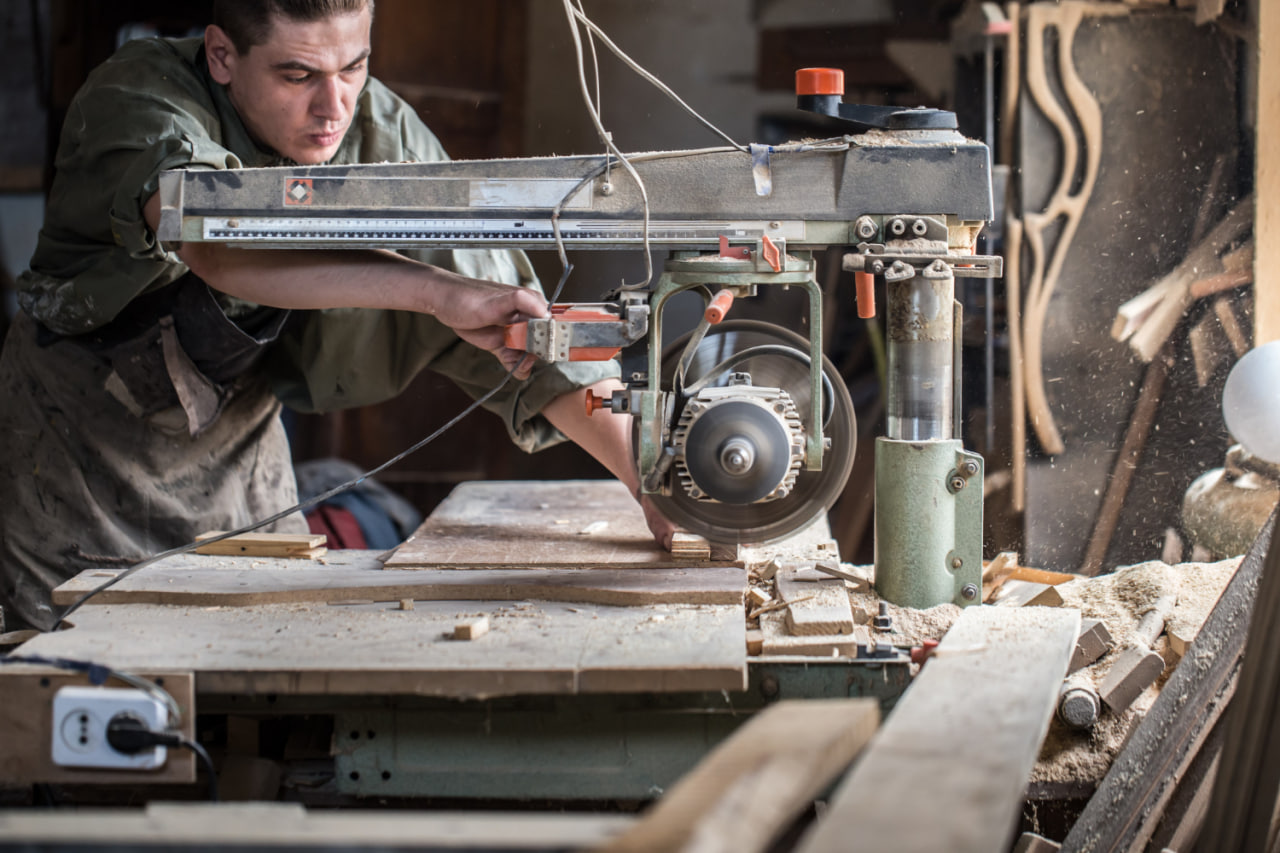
1123 812
815 606
1266 232
776 640
26 711
495 524
964 736
289 826
210 582
302 545
378 648
753 785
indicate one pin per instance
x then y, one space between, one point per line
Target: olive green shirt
153 106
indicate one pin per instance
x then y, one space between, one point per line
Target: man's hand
479 311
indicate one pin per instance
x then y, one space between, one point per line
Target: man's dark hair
248 22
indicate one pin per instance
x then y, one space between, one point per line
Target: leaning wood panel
753 785
26 727
1266 287
562 524
949 768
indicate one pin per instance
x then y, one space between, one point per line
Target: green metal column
928 545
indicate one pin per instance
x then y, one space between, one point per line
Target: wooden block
1135 670
769 570
1094 642
820 607
754 784
690 546
302 545
755 641
406 604
471 629
1180 639
1027 594
758 597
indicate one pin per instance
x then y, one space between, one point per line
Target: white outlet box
80 718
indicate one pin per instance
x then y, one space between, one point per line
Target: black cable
207 763
129 735
98 674
304 505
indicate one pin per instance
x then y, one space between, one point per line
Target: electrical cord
129 735
98 674
304 505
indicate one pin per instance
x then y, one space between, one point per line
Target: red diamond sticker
298 191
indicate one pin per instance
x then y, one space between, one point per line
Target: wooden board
754 784
316 648
239 581
496 524
289 826
949 767
26 710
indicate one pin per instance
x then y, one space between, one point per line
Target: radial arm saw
743 432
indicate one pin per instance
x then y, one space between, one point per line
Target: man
143 380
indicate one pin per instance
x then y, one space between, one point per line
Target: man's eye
296 79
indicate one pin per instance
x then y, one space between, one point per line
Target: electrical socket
80 718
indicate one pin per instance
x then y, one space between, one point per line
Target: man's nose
327 102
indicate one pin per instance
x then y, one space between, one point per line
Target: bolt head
969 592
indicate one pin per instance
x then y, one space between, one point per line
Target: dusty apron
133 440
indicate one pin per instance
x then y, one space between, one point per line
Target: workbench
609 667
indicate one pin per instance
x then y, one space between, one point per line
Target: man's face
296 92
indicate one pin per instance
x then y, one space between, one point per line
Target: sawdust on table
1120 599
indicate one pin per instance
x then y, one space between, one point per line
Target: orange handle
595 402
719 307
865 288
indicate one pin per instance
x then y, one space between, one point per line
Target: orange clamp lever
719 306
771 254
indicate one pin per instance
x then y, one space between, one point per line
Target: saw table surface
627 617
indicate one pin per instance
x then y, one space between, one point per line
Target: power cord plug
128 734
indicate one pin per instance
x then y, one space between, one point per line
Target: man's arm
477 310
306 278
607 437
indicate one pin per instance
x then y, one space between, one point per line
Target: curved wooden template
1066 18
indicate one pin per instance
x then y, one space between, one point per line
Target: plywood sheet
316 648
195 580
521 524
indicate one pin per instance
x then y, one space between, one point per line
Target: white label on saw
529 193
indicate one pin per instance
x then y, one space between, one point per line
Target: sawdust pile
1120 599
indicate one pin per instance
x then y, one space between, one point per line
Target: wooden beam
753 785
1266 264
949 768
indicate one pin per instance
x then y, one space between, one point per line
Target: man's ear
220 52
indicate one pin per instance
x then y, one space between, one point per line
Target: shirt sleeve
131 120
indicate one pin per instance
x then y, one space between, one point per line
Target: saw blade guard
738 439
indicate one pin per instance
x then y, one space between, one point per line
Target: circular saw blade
815 491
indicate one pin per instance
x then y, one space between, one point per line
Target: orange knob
595 402
819 81
719 307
